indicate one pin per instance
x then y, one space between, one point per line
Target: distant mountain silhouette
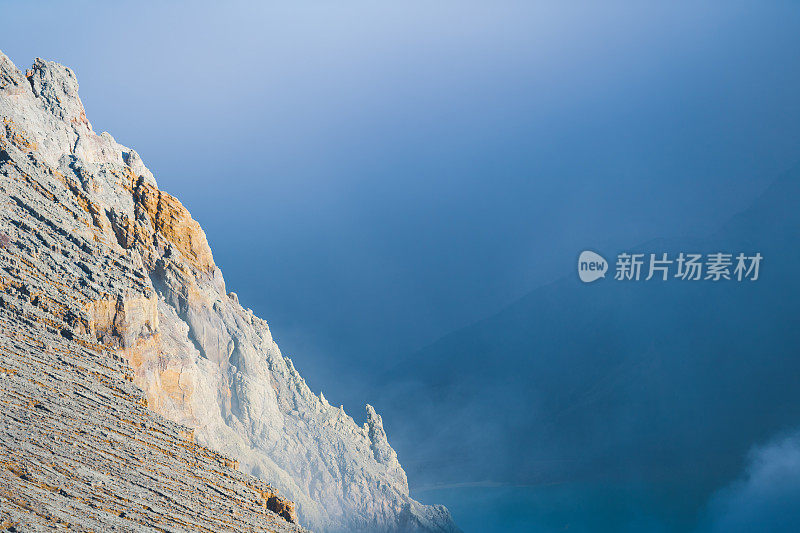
662 384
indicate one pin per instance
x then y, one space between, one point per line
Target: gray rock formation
110 291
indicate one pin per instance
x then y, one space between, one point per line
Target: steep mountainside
112 302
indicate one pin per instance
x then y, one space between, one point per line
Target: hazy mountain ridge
200 358
617 382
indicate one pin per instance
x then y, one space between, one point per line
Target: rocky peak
80 446
143 288
377 436
56 87
11 78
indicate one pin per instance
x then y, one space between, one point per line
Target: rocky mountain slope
125 361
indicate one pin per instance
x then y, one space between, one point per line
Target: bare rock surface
124 361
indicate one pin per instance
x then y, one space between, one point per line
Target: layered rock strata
125 361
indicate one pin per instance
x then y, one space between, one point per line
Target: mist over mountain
659 386
373 176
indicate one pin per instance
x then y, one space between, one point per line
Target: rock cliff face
111 300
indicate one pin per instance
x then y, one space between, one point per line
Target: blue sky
372 176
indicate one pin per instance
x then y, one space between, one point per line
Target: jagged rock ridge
84 212
79 447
